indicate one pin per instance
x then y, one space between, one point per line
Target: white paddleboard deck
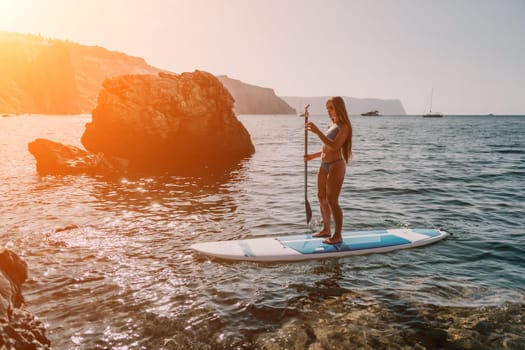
306 247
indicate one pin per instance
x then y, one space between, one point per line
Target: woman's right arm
312 156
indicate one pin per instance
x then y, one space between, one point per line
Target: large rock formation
251 99
167 121
147 123
18 327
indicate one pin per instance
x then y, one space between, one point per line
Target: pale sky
472 52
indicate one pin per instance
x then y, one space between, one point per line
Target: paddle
306 203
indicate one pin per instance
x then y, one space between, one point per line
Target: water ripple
110 264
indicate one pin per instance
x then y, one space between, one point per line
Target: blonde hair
340 109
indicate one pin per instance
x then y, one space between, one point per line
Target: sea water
110 265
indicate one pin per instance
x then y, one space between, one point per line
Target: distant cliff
353 105
251 99
47 76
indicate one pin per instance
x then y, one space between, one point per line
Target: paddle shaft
305 161
306 203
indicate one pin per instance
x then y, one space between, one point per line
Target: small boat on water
371 114
431 114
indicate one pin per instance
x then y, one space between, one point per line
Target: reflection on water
110 265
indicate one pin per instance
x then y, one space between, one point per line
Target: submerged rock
18 327
59 159
356 321
167 121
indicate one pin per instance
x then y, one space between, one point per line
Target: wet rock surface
19 329
59 159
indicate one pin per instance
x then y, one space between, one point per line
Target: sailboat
431 114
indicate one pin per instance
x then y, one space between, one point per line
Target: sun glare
10 11
13 15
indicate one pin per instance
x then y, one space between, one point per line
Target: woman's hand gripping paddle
306 203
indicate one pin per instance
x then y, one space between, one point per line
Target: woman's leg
323 204
334 183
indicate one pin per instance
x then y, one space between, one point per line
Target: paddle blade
308 211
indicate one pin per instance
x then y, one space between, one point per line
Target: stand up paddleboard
306 247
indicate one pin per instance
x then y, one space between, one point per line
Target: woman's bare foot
321 234
333 240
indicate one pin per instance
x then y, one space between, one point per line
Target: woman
336 151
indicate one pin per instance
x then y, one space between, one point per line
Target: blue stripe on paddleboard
316 246
427 232
287 238
246 249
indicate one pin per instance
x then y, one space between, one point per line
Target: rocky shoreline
351 321
19 329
